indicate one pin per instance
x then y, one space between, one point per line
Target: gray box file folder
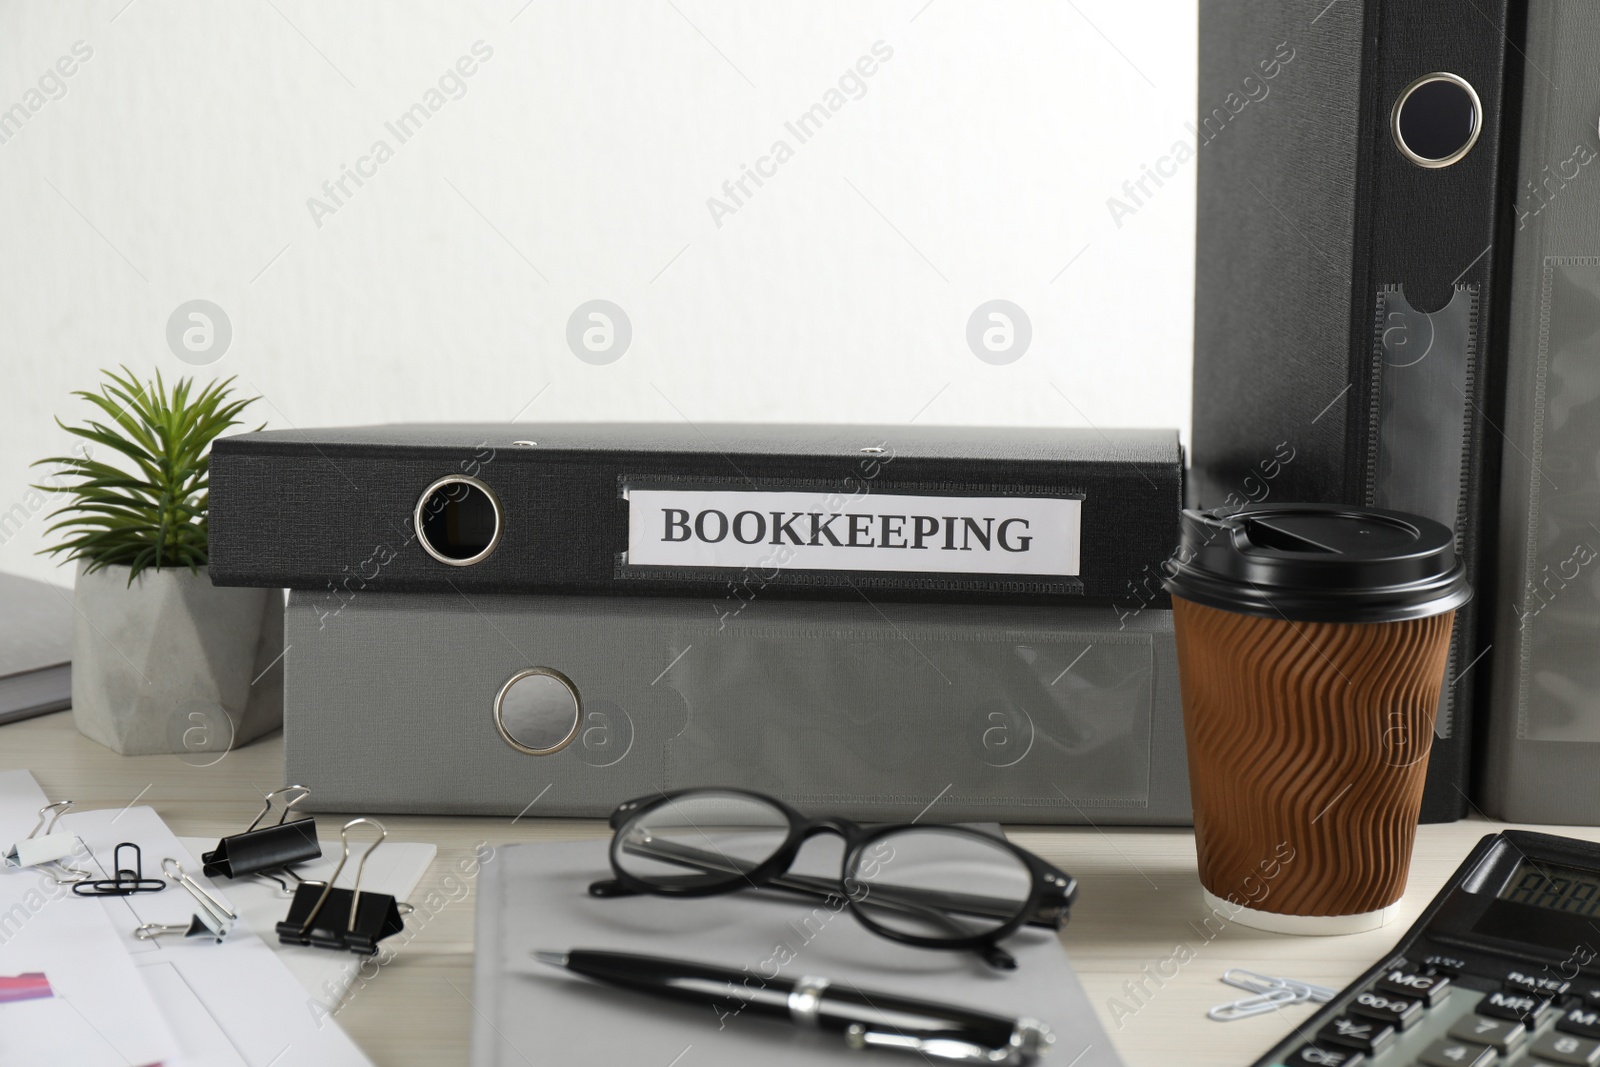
881 711
1541 750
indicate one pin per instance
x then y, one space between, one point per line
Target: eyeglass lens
931 882
923 881
702 839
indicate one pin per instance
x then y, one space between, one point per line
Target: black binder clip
345 920
268 848
128 880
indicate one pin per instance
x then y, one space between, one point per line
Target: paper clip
1255 1004
213 920
126 880
1266 994
1256 982
47 850
269 848
352 921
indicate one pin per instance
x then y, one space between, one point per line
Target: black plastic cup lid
1318 563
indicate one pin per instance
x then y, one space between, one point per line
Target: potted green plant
163 661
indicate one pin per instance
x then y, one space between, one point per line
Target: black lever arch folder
1352 242
726 511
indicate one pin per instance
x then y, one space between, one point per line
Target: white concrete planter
166 665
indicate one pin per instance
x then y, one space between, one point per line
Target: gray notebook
35 648
535 896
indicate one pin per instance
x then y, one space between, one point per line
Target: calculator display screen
1556 888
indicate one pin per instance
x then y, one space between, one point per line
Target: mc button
1430 988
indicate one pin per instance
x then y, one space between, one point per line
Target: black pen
866 1019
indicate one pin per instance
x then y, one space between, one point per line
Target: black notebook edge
38 692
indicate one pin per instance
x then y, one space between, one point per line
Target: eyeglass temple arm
800 885
908 897
821 889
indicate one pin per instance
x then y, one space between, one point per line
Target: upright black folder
1351 236
730 511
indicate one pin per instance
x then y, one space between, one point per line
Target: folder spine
1348 287
1002 515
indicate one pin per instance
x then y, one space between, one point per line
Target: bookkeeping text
941 532
882 531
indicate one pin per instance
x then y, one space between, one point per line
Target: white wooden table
1137 936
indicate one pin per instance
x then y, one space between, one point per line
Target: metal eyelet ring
529 723
420 511
1458 152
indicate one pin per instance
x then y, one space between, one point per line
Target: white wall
177 161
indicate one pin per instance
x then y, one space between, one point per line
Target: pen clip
1029 1040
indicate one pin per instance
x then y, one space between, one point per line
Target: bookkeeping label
865 532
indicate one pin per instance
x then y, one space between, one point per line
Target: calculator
1502 969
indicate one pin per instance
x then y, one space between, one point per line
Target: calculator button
1502 1034
1368 1035
1522 982
1402 1012
1584 1022
1565 1048
1451 1053
1320 1056
1525 1008
1406 982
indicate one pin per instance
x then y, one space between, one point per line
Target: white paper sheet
98 1011
247 1002
204 1044
260 1007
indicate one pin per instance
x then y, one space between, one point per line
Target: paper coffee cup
1312 642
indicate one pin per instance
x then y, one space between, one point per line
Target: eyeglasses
927 885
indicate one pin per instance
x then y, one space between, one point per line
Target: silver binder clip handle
151 931
283 886
300 793
355 895
201 924
216 914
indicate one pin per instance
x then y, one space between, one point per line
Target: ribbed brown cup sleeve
1308 749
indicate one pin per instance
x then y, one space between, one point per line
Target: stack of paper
77 987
